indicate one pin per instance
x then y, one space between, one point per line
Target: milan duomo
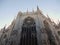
31 28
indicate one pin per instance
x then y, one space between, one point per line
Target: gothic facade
30 28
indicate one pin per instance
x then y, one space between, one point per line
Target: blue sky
10 8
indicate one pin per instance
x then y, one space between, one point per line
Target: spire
33 11
48 18
38 8
19 13
27 11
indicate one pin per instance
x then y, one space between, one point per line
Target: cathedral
30 28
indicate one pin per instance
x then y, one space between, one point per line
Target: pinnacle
37 8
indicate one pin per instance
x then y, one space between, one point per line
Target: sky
10 8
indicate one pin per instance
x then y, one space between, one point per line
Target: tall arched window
28 34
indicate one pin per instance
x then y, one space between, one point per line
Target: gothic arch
28 34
